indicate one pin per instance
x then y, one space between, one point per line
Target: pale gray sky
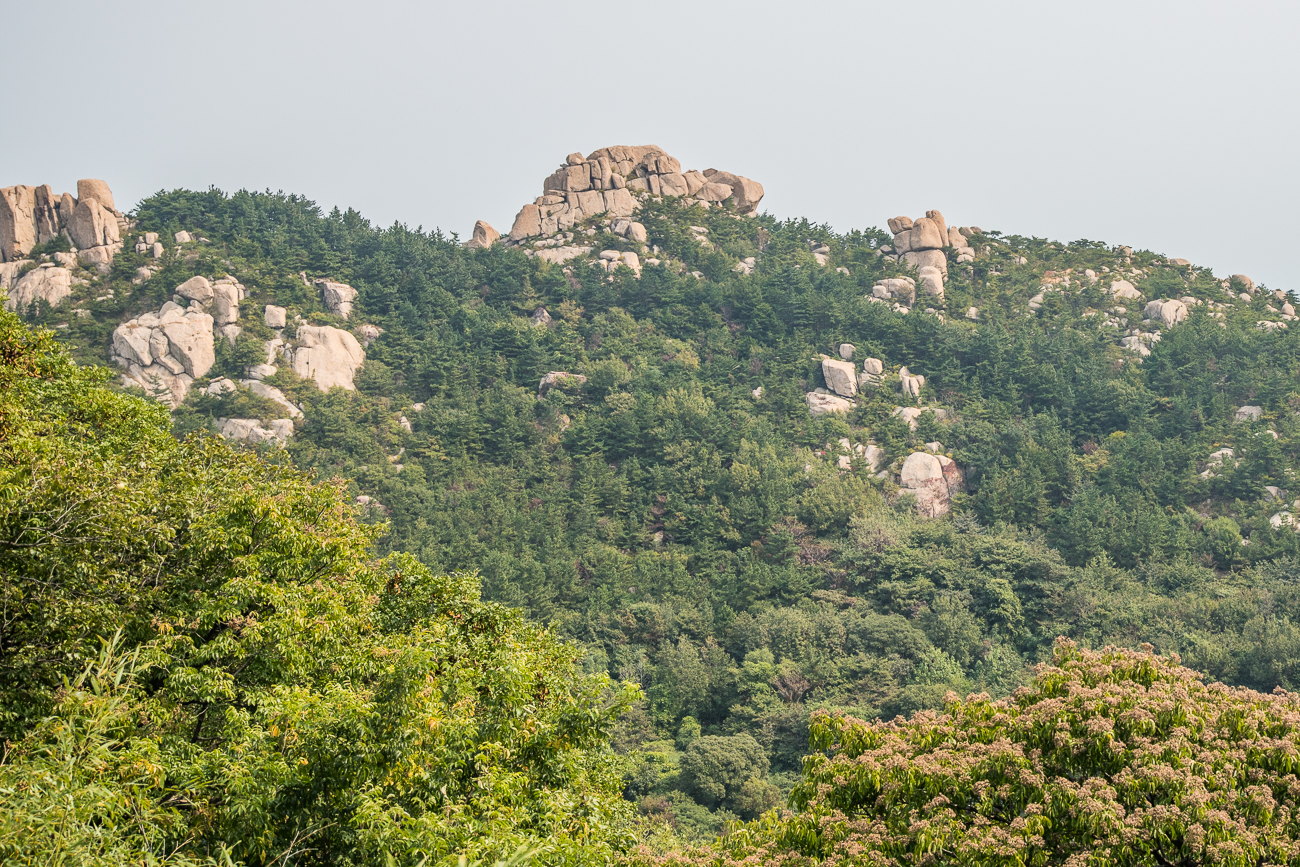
1170 126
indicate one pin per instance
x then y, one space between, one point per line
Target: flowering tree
1112 757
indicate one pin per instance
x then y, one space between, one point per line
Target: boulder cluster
924 243
36 215
603 183
164 352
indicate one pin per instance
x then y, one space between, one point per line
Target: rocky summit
610 182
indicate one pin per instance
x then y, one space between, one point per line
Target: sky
1167 126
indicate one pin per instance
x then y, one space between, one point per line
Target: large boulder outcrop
1124 290
196 289
599 183
47 283
273 394
841 376
825 404
190 340
96 190
34 215
484 236
93 225
1169 311
328 355
338 297
17 222
932 479
164 352
226 295
925 235
931 281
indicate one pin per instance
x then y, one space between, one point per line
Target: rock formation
255 430
559 379
602 183
484 236
1124 290
1170 312
932 479
841 376
338 297
330 356
35 215
164 353
48 283
873 371
823 404
910 384
900 290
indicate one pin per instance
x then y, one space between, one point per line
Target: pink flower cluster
1112 757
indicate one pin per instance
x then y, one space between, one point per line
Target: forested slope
698 536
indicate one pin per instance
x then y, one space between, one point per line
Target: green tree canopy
272 693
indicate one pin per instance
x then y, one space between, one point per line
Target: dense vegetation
200 663
701 542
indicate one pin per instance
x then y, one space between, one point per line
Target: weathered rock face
910 384
256 430
899 289
600 184
873 370
1170 312
922 244
1122 289
932 479
559 379
841 377
164 353
559 255
925 235
34 215
932 282
96 190
927 259
272 394
338 297
196 289
824 404
274 316
190 339
226 295
328 355
484 236
93 225
48 283
17 222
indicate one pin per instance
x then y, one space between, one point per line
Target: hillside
758 468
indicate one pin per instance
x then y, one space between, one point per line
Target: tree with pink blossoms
1111 757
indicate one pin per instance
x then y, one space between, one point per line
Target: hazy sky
1170 126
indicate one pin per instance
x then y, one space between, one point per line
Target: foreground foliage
1108 758
198 660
